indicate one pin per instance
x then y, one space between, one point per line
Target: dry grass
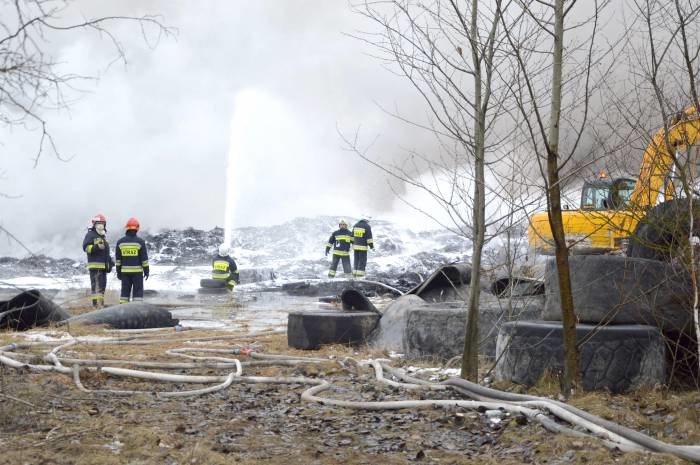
44 419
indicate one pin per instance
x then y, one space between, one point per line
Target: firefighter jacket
97 258
340 240
132 256
362 236
225 268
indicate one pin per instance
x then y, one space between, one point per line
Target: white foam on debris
60 336
162 278
203 324
52 336
434 373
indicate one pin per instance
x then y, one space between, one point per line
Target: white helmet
342 221
223 250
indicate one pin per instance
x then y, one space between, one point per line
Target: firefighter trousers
131 282
360 263
98 284
347 269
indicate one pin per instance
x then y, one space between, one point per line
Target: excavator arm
657 162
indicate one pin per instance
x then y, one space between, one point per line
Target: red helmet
99 218
133 223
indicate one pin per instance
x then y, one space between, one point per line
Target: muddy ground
45 419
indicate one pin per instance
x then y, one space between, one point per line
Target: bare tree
667 60
539 47
449 51
32 81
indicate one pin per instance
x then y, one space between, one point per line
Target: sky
151 138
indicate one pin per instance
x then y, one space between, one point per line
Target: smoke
150 139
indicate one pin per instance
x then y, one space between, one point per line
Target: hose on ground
611 434
691 453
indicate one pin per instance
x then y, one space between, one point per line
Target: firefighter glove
145 274
119 274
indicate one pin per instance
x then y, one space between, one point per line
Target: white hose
178 353
558 410
195 392
542 403
691 453
611 434
154 376
310 396
208 379
145 364
378 372
261 356
15 364
557 428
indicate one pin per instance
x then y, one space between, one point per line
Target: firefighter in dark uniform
99 261
361 241
132 262
224 267
340 241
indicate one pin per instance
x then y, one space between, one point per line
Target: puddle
249 307
252 310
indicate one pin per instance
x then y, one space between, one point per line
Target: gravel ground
44 419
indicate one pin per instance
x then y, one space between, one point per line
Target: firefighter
99 260
361 241
340 241
132 262
224 267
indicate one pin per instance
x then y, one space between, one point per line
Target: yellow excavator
610 209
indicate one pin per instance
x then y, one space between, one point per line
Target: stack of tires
630 311
621 303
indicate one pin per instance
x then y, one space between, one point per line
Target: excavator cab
606 194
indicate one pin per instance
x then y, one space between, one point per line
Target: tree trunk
470 356
572 374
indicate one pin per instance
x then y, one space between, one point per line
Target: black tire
411 326
29 309
355 301
311 330
134 315
622 290
616 358
516 286
213 290
317 287
663 232
447 283
212 283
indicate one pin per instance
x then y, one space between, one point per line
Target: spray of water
244 107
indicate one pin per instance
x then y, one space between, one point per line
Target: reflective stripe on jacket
340 240
225 268
97 258
132 256
362 236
